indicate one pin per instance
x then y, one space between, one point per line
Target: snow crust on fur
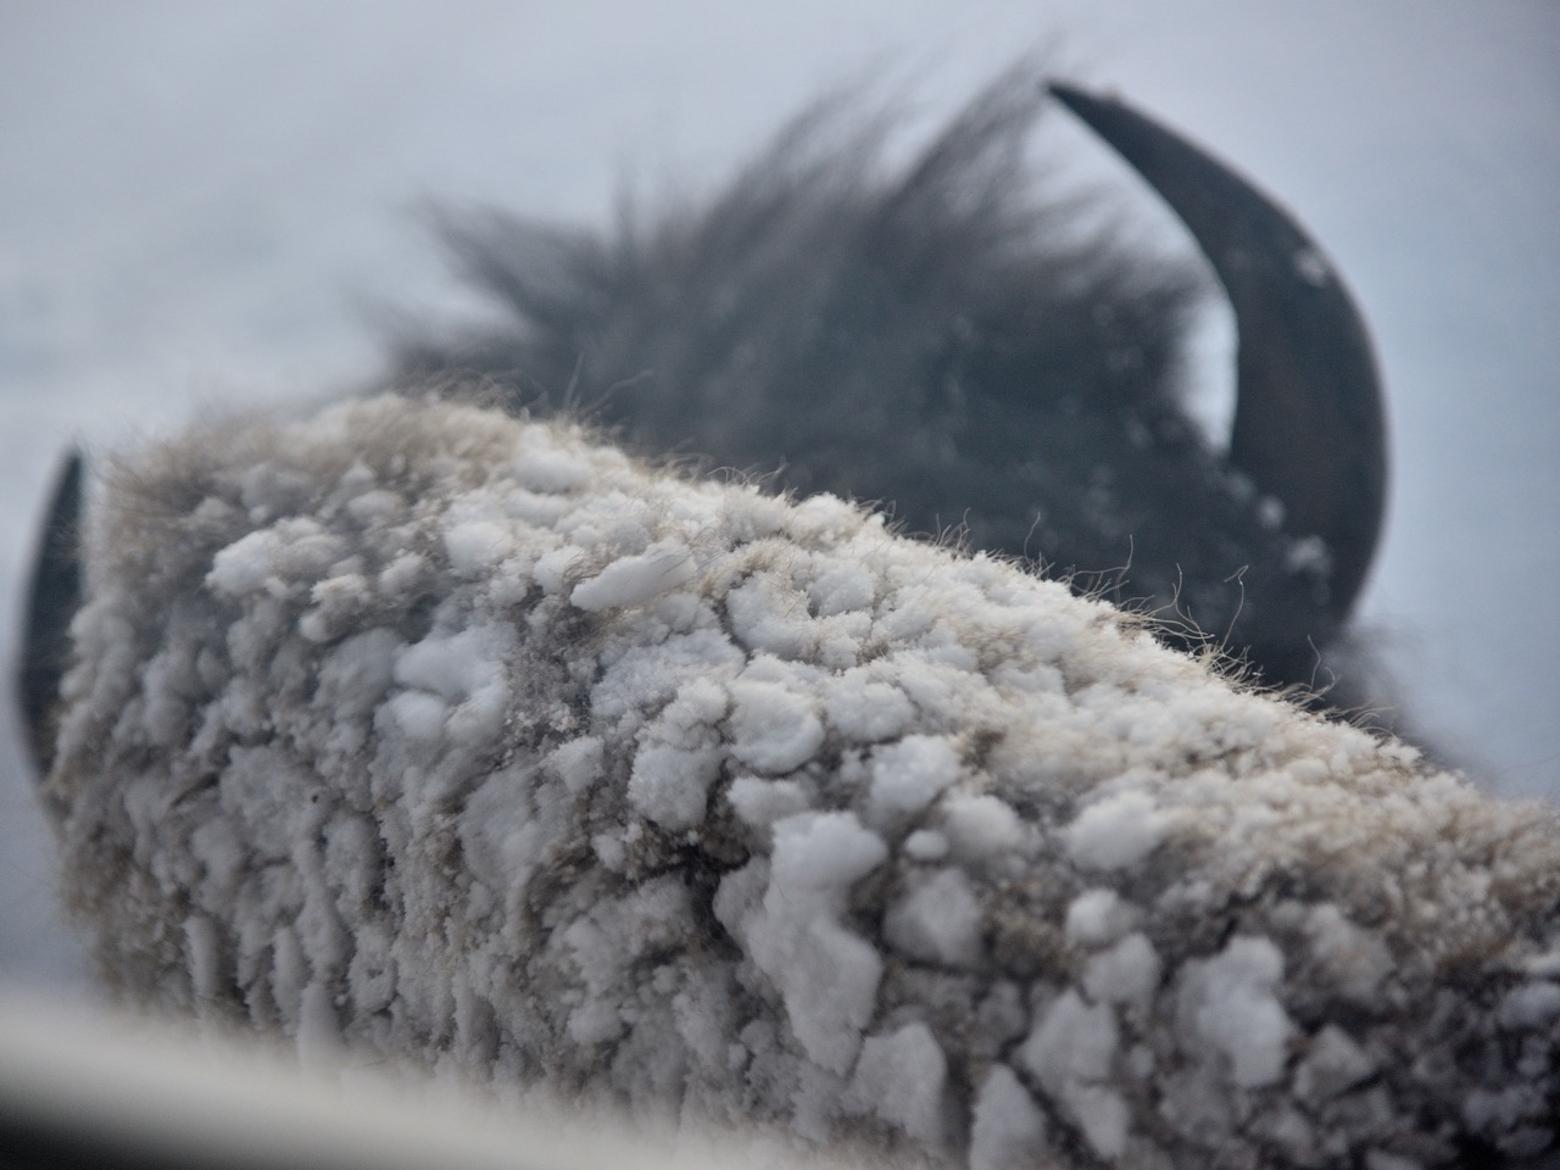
472 742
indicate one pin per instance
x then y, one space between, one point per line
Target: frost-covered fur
468 741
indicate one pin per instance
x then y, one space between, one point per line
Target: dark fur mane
953 337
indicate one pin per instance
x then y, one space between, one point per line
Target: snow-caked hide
475 743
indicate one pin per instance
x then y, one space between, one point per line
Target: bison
473 739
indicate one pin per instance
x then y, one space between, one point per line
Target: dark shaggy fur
945 337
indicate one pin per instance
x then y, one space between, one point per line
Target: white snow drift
424 731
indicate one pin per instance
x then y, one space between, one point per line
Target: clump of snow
901 1077
476 546
1116 832
1530 1007
1230 1002
773 728
1099 916
981 827
1127 973
862 710
416 730
202 957
679 756
763 802
938 921
1009 1131
825 852
1333 1066
908 775
1353 959
1072 1051
826 974
926 845
577 763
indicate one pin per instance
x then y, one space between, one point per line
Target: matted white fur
416 729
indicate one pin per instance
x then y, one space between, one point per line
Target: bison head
951 338
945 340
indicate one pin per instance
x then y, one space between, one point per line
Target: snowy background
205 204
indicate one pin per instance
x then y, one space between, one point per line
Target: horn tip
1077 99
53 595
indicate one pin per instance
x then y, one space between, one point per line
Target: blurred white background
198 201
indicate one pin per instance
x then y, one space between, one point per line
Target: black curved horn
1310 424
53 596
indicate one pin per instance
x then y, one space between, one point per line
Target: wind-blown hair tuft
958 337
